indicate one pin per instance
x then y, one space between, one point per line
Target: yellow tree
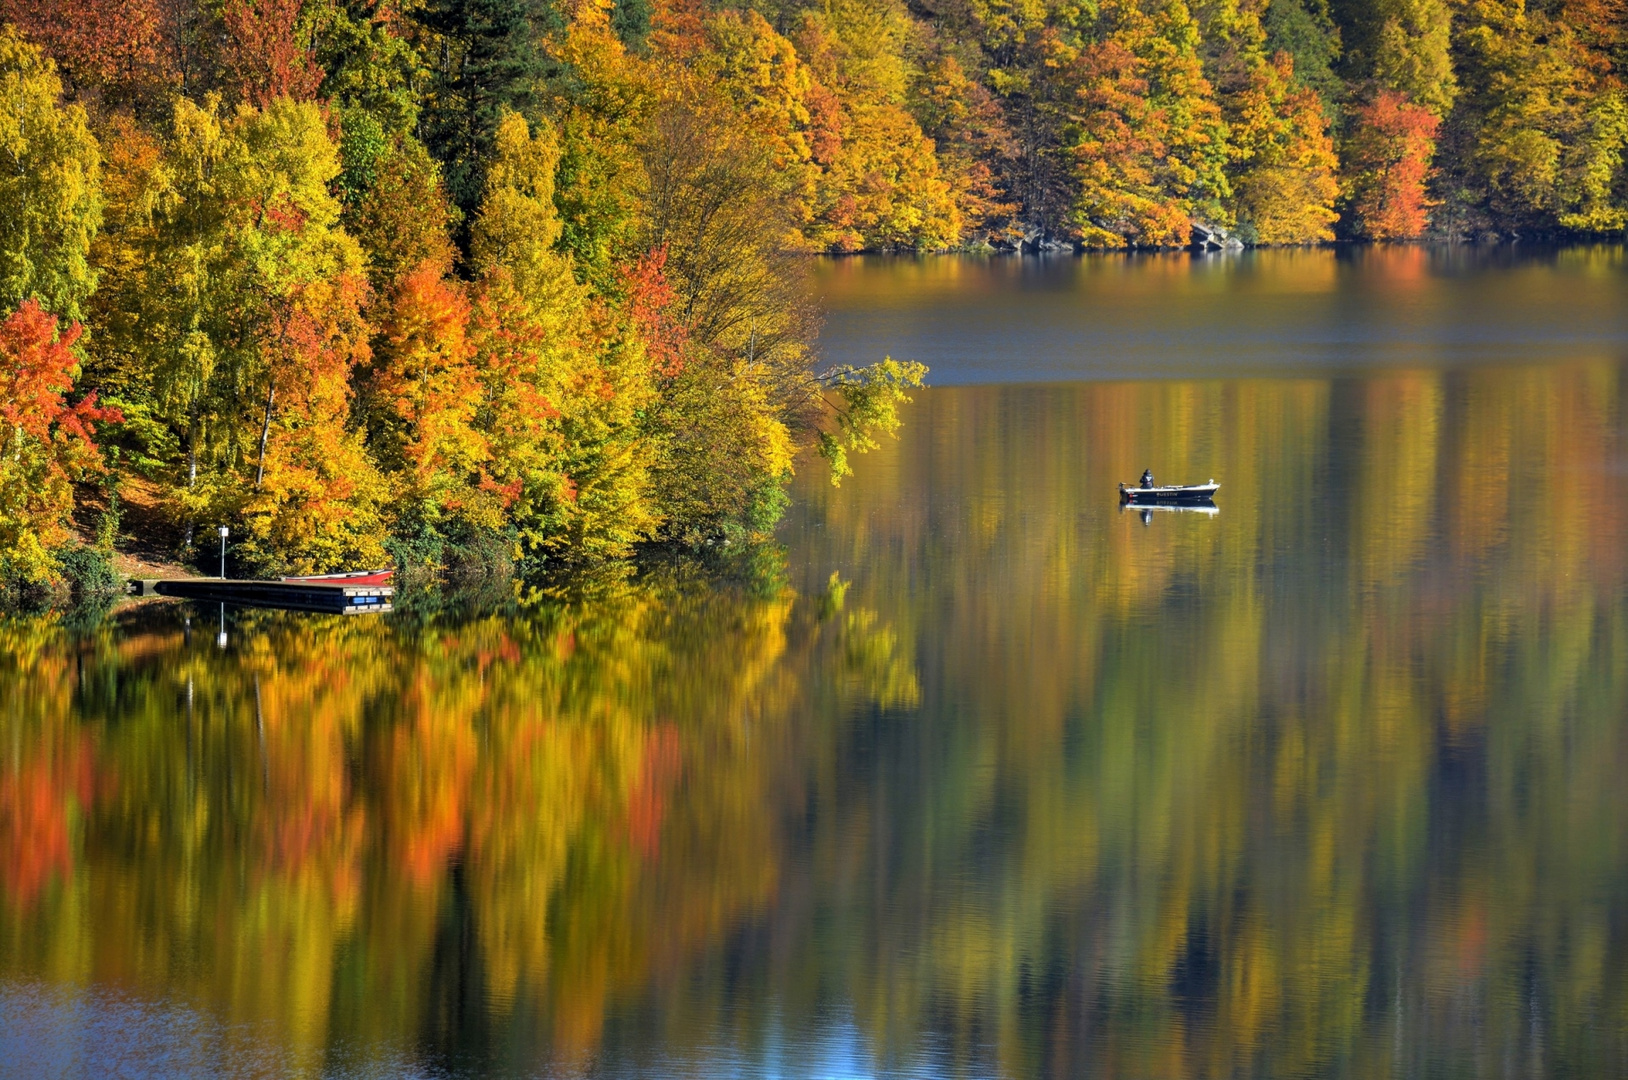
242 322
50 198
50 210
760 74
880 185
1150 146
1284 187
1546 120
562 394
1411 51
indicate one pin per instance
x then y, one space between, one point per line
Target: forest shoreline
1551 241
371 280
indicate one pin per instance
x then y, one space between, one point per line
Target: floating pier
333 599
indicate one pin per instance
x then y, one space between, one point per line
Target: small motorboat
355 577
1189 494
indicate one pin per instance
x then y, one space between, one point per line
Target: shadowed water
978 775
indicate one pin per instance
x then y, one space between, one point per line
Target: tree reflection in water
1322 783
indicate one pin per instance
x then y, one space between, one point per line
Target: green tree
631 21
1305 30
489 60
1399 45
1411 51
599 113
369 65
395 205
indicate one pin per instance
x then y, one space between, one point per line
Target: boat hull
326 597
354 577
1174 495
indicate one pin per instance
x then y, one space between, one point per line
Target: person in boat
1147 478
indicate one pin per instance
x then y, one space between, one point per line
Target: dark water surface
979 776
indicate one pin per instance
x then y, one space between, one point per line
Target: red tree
428 389
269 58
48 441
119 45
652 303
1387 163
55 782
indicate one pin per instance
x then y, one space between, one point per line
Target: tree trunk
192 468
265 432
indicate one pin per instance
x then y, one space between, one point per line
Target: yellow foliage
50 196
1286 186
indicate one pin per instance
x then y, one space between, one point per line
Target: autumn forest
517 282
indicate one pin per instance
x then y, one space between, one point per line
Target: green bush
88 572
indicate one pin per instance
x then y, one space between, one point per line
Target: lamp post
223 534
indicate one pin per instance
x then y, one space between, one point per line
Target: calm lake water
977 776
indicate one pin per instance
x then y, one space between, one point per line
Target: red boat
355 577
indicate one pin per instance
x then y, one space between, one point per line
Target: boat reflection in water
1145 510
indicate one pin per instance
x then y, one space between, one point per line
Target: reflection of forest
1326 780
381 832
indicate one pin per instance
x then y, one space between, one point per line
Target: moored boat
1168 493
354 577
339 597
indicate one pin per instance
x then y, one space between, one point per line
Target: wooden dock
334 599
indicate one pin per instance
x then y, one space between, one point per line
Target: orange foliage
48 441
650 304
659 769
1601 27
312 825
964 121
39 369
676 28
268 57
427 765
38 804
1121 140
1388 163
100 42
428 387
